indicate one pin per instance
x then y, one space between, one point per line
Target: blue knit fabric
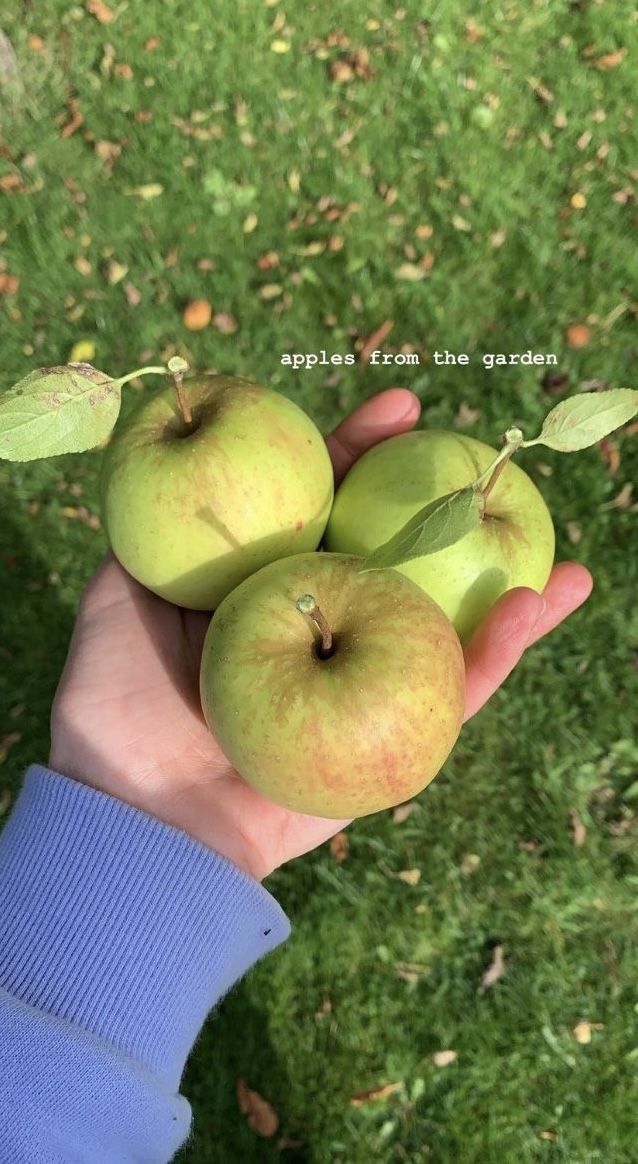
118 934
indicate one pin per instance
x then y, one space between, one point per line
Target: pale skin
127 720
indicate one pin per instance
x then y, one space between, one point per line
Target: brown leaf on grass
260 1115
545 95
12 181
340 847
108 152
410 876
495 970
341 71
610 455
375 339
7 743
574 532
9 284
324 1010
81 513
473 31
622 500
548 1134
578 335
199 132
133 296
151 44
410 971
197 314
225 323
101 11
578 830
444 1058
610 60
375 1093
403 811
345 69
75 118
466 415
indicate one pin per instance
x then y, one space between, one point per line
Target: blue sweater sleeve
118 933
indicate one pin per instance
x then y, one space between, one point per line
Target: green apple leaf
582 420
58 410
439 524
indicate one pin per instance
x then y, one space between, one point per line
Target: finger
384 415
570 585
498 644
109 586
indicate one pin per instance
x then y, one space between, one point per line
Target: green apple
340 712
513 546
192 510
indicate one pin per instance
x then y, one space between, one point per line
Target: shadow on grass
235 1044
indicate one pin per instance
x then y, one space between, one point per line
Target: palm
127 714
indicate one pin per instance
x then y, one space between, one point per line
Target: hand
127 718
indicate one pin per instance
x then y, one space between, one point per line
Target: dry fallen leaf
133 296
375 1093
81 513
610 60
578 335
410 272
574 532
466 415
375 339
340 847
7 743
579 832
9 284
495 970
82 352
115 272
410 876
270 290
76 118
261 1116
102 13
150 190
82 266
473 31
622 500
610 455
403 811
582 1033
225 323
548 1134
444 1058
197 314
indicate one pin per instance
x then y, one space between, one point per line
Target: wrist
191 806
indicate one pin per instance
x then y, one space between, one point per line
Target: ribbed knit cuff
123 924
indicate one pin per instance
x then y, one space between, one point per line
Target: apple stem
184 406
307 605
514 440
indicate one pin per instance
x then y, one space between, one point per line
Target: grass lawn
313 171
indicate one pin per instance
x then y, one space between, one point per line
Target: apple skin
191 516
514 545
341 737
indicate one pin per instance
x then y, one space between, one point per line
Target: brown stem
184 406
494 478
307 605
